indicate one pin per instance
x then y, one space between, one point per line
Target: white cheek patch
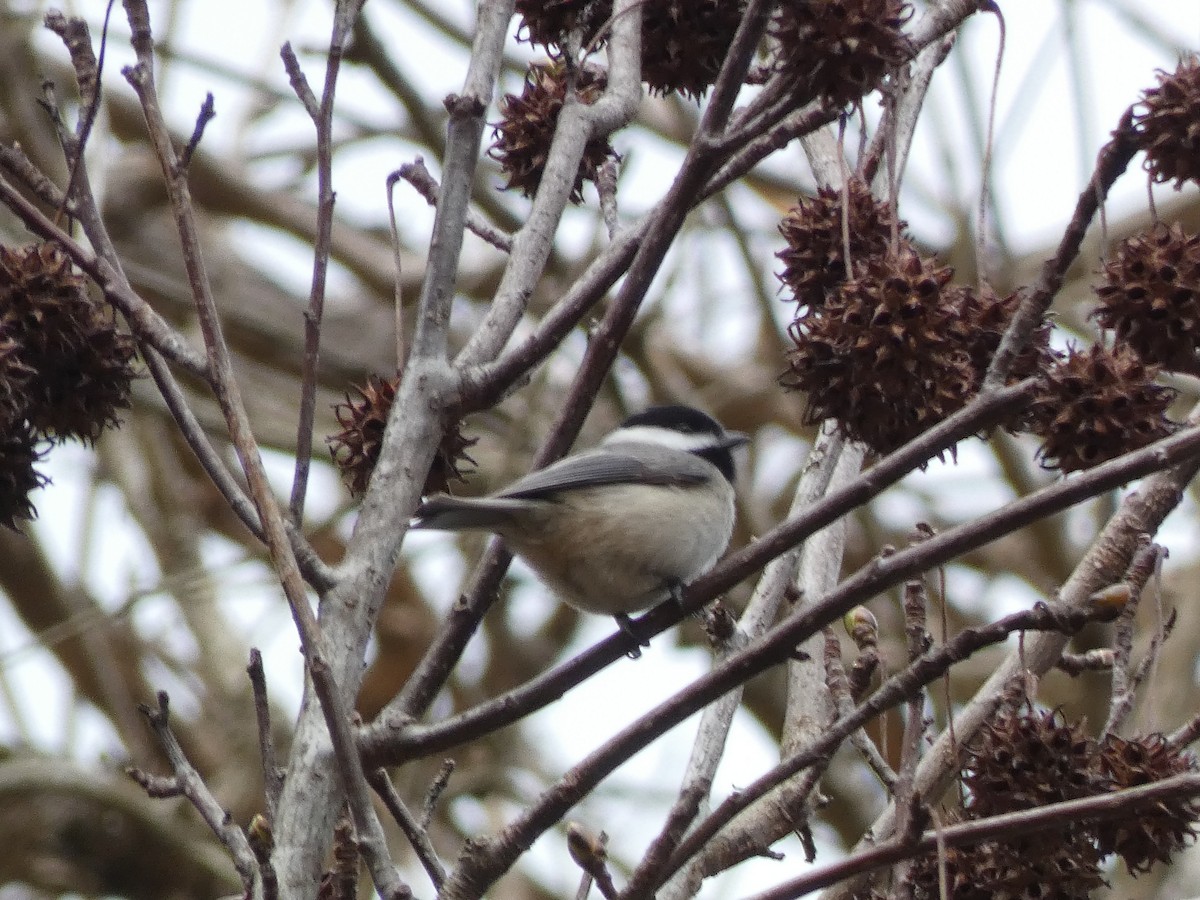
659 437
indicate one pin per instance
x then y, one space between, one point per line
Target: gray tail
446 513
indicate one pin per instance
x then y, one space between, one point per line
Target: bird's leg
675 591
627 626
675 597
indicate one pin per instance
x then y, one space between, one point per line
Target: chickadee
619 528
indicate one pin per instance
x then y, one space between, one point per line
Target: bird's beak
733 439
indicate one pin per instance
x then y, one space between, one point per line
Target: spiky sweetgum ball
1154 833
15 376
814 260
18 477
65 366
1168 125
1150 297
550 22
1022 759
839 50
684 43
1096 404
886 355
523 135
1026 758
1033 867
985 317
355 449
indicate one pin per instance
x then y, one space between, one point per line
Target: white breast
613 565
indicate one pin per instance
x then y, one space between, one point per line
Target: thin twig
398 265
186 782
207 113
985 165
147 325
14 161
316 571
1113 159
839 689
344 15
88 71
1120 706
422 180
436 788
272 779
906 798
1129 592
417 834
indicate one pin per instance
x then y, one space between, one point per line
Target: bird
619 528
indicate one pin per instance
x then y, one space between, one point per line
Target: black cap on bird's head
684 419
689 421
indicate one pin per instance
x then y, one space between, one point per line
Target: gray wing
601 468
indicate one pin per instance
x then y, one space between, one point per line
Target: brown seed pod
1036 867
1168 125
839 50
988 316
814 261
523 135
684 43
1027 758
1097 404
1151 296
550 22
355 449
885 355
1022 759
1155 833
18 477
65 366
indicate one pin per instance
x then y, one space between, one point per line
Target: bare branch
413 830
839 689
1113 160
186 782
207 114
344 16
415 429
416 174
272 779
